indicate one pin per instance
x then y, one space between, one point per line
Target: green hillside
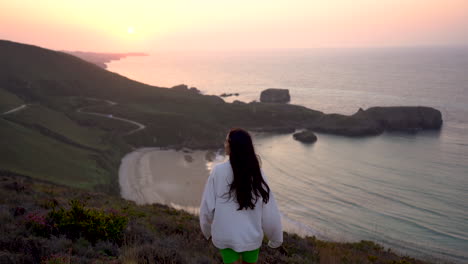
39 116
47 144
37 74
28 152
50 138
8 101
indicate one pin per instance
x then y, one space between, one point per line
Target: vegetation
57 123
79 221
8 101
27 151
47 223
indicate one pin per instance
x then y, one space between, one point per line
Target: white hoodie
239 230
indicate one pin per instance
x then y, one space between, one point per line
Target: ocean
406 191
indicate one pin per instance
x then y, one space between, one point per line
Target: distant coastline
100 59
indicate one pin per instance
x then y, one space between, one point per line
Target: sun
130 30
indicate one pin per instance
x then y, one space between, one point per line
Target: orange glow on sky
148 25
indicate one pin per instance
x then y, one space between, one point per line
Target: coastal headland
101 58
176 117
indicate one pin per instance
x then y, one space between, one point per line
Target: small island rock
273 95
229 94
305 136
188 158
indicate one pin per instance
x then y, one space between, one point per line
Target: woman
237 207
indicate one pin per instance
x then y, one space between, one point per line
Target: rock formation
229 94
274 95
305 136
185 88
188 158
376 120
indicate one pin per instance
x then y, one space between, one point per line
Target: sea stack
274 95
305 137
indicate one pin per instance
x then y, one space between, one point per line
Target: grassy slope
59 123
155 234
47 144
8 101
38 75
27 151
55 85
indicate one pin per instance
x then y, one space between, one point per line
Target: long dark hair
248 184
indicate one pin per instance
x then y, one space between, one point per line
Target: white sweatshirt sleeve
207 205
271 223
271 220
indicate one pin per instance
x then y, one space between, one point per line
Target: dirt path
140 126
15 109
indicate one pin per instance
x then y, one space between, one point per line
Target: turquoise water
406 191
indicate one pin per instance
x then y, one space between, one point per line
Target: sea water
405 191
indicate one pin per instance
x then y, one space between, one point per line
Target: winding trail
140 126
21 107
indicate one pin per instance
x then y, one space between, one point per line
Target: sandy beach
175 178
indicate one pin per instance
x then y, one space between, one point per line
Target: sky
159 25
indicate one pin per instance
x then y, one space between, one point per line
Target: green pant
230 256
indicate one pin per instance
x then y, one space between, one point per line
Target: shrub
38 224
91 224
56 259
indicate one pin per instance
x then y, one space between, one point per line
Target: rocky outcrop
274 95
185 88
305 137
346 125
376 120
229 94
188 158
404 118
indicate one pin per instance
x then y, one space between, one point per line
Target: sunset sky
154 25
